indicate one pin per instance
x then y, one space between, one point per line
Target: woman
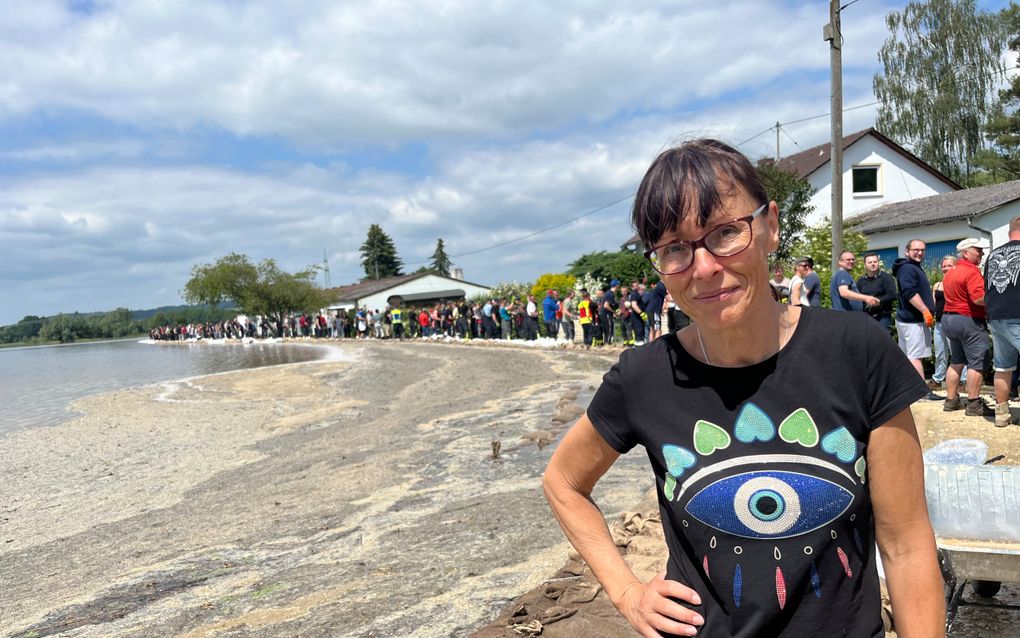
940 341
780 437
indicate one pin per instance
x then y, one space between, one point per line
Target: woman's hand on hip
650 609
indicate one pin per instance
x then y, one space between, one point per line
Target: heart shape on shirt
754 425
799 427
841 444
860 467
677 459
709 437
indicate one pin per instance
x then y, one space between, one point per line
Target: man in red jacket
964 325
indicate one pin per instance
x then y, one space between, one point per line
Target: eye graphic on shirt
769 504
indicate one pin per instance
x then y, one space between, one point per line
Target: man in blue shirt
843 291
549 307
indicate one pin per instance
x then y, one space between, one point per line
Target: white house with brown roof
418 289
876 171
941 221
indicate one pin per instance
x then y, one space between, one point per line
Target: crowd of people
970 320
620 314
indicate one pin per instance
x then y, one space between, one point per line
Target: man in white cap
1002 301
963 324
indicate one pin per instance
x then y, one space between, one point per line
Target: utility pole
325 270
833 34
777 143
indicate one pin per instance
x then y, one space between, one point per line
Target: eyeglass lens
723 241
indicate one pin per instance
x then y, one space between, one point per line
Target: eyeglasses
724 240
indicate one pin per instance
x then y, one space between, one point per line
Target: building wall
942 238
428 283
899 179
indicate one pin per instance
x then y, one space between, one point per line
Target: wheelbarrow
974 508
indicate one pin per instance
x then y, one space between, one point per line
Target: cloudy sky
138 138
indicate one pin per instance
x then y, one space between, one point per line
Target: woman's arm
902 529
579 462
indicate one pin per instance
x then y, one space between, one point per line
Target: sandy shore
345 498
354 497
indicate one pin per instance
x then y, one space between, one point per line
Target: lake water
38 384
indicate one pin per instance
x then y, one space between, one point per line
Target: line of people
956 315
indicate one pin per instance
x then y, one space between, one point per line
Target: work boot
1003 416
933 385
977 407
952 404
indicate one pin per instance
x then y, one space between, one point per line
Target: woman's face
946 266
722 291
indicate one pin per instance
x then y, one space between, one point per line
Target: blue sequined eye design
769 504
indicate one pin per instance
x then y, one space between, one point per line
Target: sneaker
1003 416
934 397
951 404
977 407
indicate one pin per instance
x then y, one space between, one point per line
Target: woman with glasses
780 437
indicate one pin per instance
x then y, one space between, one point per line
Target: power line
781 126
536 233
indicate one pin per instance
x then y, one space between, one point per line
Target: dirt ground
571 604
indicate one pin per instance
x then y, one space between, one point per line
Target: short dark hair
692 177
912 241
866 255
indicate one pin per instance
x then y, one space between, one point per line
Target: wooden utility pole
833 34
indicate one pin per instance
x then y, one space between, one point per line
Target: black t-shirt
760 471
607 298
656 299
1002 282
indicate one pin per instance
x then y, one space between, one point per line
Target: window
865 180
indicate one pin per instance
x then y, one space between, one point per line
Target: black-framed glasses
724 240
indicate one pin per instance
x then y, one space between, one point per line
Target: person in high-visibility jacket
585 312
397 319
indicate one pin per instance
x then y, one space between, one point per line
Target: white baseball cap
973 242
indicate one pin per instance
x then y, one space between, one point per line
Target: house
876 171
940 221
418 289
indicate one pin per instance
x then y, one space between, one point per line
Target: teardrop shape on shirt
738 585
846 562
712 543
775 552
816 583
780 588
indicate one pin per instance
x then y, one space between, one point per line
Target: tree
440 260
562 284
941 67
604 266
792 195
261 289
379 255
1002 161
817 244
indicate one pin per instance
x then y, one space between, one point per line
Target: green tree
604 266
597 264
817 244
261 289
1001 162
379 255
440 260
941 67
792 194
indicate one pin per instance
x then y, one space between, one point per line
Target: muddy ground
353 498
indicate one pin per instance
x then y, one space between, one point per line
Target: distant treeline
66 328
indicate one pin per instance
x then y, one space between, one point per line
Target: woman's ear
773 226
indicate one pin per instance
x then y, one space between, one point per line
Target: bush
561 283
